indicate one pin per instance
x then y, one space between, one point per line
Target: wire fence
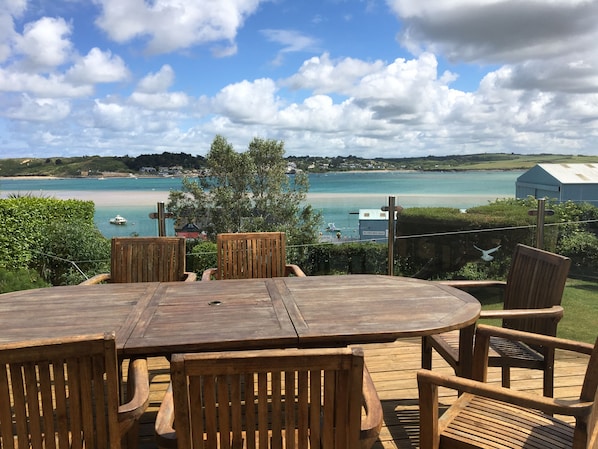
427 254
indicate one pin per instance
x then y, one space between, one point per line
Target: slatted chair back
309 398
251 255
60 393
536 280
147 259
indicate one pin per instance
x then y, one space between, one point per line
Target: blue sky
372 78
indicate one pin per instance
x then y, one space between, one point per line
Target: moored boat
118 220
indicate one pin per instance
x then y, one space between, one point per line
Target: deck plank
393 367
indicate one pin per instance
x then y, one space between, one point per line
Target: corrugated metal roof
573 173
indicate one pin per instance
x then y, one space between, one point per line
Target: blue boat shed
560 182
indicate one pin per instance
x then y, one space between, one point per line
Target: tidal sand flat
103 198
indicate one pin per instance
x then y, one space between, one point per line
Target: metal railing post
391 235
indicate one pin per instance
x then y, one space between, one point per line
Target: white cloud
47 86
116 117
248 102
8 9
45 44
161 100
320 114
291 41
399 91
38 109
157 82
324 75
152 91
98 67
14 7
172 25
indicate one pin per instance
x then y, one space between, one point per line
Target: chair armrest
164 426
190 276
465 284
429 380
549 312
484 332
371 423
208 274
291 269
137 394
98 278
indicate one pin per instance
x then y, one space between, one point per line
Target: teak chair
251 255
532 296
282 398
146 259
64 393
487 416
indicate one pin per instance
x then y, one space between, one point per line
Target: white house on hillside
563 182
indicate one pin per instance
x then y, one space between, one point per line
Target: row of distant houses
162 171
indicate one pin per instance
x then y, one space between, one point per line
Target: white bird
486 253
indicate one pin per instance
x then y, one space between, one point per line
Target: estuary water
339 196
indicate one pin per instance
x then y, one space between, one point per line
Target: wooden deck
393 367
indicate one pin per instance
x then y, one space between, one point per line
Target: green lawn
580 302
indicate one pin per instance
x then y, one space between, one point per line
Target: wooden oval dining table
163 318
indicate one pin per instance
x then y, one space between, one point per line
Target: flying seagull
486 253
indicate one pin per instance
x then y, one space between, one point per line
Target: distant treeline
187 163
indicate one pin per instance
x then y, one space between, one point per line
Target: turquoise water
339 196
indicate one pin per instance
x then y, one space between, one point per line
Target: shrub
72 251
348 258
24 224
582 248
203 256
20 279
441 242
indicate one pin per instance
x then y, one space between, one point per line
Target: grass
580 302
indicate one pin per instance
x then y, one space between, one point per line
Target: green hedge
25 222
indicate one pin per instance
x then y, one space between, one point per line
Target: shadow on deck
393 367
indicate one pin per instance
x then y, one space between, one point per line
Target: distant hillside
181 163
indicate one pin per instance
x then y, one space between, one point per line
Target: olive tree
247 192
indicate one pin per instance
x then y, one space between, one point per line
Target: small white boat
118 220
331 227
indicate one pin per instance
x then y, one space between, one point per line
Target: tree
247 192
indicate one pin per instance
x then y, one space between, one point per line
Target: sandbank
106 197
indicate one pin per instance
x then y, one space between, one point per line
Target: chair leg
506 376
549 381
549 374
426 354
131 438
